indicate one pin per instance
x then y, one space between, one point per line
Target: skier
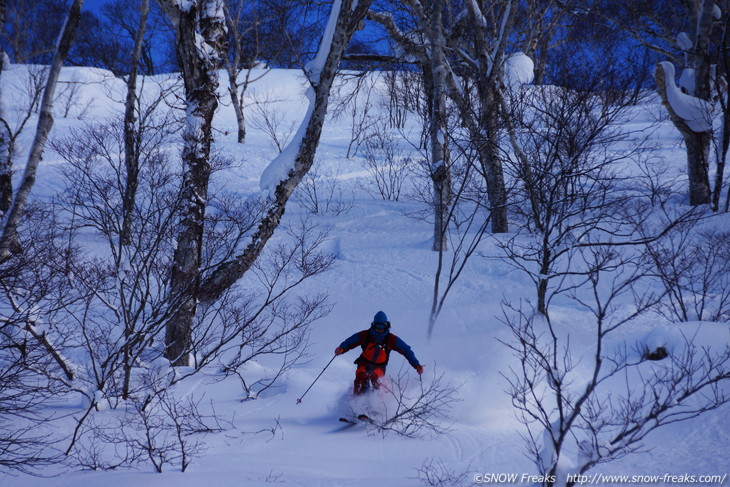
376 343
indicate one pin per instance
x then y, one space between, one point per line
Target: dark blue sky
93 5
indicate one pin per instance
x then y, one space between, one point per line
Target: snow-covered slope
383 262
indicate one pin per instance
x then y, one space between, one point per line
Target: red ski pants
366 375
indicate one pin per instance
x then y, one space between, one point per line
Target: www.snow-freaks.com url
603 479
667 478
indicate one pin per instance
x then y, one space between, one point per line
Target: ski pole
299 401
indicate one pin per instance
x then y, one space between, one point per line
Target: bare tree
6 173
540 21
68 98
435 78
262 34
107 41
9 238
114 316
323 194
696 132
722 140
593 404
30 30
32 370
412 410
468 218
268 118
583 241
564 163
484 50
160 426
33 86
388 163
404 94
436 473
693 267
426 44
233 69
472 75
201 81
131 134
299 156
119 301
687 38
273 319
168 428
359 106
697 56
200 42
476 54
240 26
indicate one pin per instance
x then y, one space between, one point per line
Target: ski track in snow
384 262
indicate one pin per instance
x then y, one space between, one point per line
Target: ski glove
419 369
339 351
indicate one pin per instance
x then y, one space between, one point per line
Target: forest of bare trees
520 105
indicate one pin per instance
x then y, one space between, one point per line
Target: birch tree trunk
131 162
487 140
723 76
697 145
200 39
9 238
542 20
697 58
6 167
434 66
349 14
440 172
232 69
484 57
236 102
131 135
489 52
199 73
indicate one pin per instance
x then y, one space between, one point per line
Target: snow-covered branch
685 110
296 160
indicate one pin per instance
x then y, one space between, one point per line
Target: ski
359 418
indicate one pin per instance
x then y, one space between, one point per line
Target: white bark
9 239
440 170
131 143
200 37
351 13
6 165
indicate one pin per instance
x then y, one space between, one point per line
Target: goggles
380 327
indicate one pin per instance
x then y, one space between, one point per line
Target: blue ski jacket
376 347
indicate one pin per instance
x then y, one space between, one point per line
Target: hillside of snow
383 261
